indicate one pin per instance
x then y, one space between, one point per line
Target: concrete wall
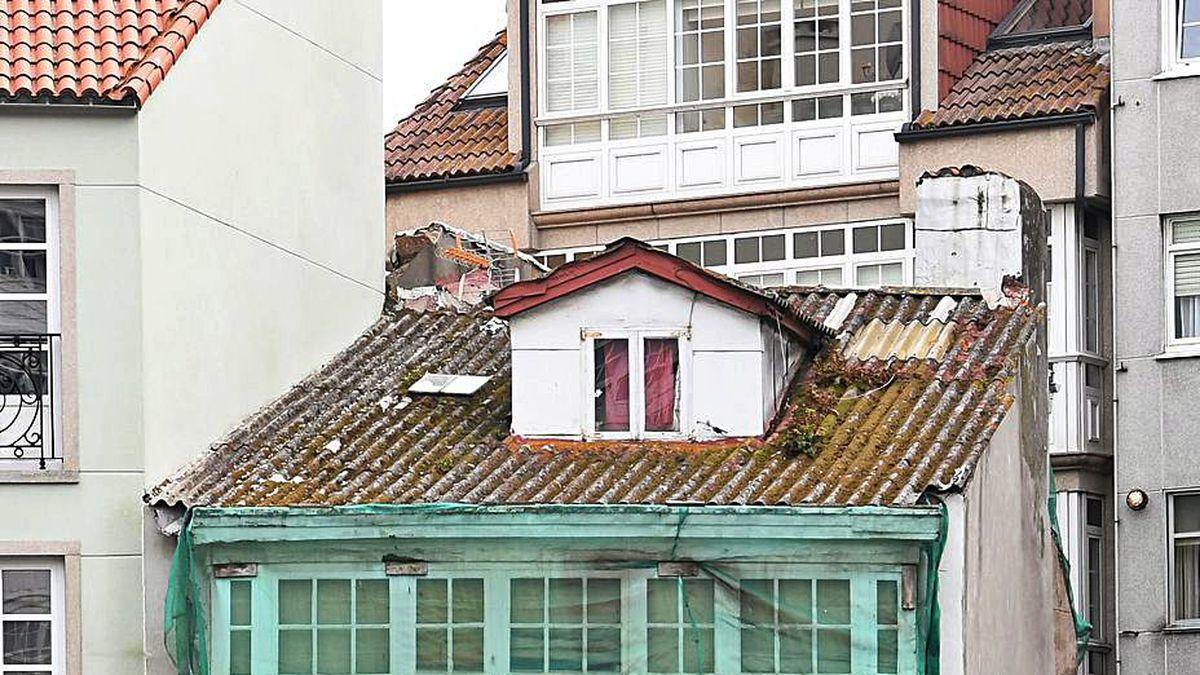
1156 174
726 355
497 209
719 221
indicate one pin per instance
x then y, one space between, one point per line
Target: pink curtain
662 370
612 379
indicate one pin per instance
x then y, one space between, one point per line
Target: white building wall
725 344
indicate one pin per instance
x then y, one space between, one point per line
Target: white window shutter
1187 274
637 54
571 62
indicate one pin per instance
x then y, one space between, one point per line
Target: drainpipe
526 122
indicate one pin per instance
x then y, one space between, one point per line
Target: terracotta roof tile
439 140
93 50
861 427
1044 14
1024 82
963 30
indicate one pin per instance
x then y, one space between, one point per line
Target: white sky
426 41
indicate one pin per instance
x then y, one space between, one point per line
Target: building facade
1154 204
159 226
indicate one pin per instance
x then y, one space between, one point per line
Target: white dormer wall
734 368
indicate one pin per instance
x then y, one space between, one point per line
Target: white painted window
30 324
1188 35
32 616
1183 281
638 383
1184 528
858 254
696 94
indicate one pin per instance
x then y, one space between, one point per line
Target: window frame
637 406
59 640
1172 537
1171 251
1174 64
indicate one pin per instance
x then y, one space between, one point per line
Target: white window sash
56 617
637 393
1172 252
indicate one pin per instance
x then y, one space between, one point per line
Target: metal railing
29 428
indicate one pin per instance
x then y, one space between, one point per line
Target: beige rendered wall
496 208
719 221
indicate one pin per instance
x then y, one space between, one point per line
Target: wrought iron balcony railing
29 428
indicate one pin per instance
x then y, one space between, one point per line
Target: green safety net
572 621
1083 629
184 632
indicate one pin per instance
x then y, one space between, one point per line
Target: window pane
758 650
715 253
887 650
468 650
239 652
433 649
22 271
699 655
526 602
795 601
1191 10
661 370
1187 579
566 649
662 647
23 317
27 643
612 385
239 602
866 239
689 251
833 242
886 604
566 601
805 245
866 275
333 601
26 591
333 651
371 601
1185 231
22 221
604 601
1186 511
432 596
795 650
833 650
891 237
603 650
773 248
833 601
1095 512
1190 47
371 650
698 601
891 274
295 601
525 650
468 601
1187 317
745 250
295 652
757 598
662 601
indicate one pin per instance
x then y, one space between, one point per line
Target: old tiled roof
963 30
439 140
903 399
93 50
1047 14
1022 83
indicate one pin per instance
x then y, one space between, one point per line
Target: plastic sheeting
184 632
1083 629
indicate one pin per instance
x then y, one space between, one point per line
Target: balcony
29 426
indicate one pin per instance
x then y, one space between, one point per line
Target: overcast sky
426 42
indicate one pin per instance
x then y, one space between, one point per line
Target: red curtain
661 371
612 379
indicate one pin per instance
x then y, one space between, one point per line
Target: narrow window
1185 540
759 44
333 626
450 625
887 635
565 625
795 625
1184 256
661 371
700 50
679 626
31 616
817 43
1091 300
637 54
1095 564
240 655
877 41
572 69
1189 29
612 385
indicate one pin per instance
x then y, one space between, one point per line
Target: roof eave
910 132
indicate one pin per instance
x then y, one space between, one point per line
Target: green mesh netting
928 611
184 633
1083 629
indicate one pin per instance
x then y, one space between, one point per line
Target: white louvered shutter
1187 274
637 54
571 62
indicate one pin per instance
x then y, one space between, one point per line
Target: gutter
909 132
41 108
514 175
915 40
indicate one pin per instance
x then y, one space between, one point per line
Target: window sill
1178 72
50 476
1181 352
1182 628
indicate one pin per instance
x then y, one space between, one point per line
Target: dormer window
638 384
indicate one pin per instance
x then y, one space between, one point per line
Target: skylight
493 83
448 384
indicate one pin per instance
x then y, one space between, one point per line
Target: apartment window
818 42
1188 37
333 626
1092 383
876 40
1091 298
886 274
638 384
816 108
826 276
700 50
573 134
1185 558
757 115
572 75
637 54
679 625
31 612
29 327
1183 269
1094 569
759 45
565 624
764 280
759 249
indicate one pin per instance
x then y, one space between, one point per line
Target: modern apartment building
783 143
165 267
1155 57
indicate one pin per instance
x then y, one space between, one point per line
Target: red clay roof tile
963 30
93 50
439 140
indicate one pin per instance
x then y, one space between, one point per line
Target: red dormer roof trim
631 255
